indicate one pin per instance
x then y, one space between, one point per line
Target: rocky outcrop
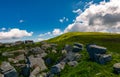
7 70
98 53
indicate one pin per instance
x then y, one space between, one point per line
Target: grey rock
38 61
94 49
8 70
76 49
57 68
35 72
79 45
103 58
116 68
73 63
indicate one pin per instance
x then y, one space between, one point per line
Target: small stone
73 63
116 68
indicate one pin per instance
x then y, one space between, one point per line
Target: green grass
87 68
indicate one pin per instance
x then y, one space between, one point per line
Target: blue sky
40 16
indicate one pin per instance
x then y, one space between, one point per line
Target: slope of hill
87 68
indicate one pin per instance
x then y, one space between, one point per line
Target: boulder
72 63
76 49
64 51
38 61
116 68
35 72
57 68
78 45
103 58
71 57
94 49
8 70
54 51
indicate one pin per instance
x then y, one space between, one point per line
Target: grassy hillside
87 68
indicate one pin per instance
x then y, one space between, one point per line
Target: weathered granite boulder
76 49
35 72
79 45
94 49
8 70
72 63
38 61
103 58
54 51
116 68
71 57
57 68
64 51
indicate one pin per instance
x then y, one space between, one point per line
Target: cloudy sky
41 19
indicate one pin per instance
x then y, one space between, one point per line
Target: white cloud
57 32
14 33
64 19
21 21
3 29
102 17
45 34
78 11
48 35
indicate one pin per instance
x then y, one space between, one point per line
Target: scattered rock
64 51
79 45
116 68
38 61
76 49
103 58
98 53
57 68
35 72
54 51
73 63
8 70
